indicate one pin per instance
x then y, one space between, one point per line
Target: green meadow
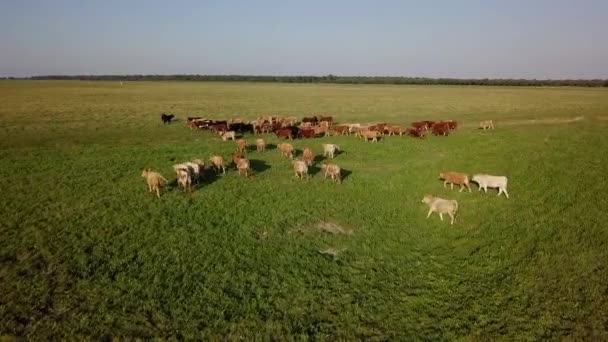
88 253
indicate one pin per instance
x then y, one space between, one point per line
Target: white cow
489 181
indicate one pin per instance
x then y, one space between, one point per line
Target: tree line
334 79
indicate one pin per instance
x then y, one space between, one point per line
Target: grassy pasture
88 252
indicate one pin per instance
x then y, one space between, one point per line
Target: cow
218 127
333 171
307 132
227 135
286 150
455 178
166 118
441 206
236 156
486 124
371 135
391 130
260 145
218 163
452 124
417 132
300 168
154 180
341 129
420 125
441 128
329 150
289 132
241 145
243 165
308 156
489 181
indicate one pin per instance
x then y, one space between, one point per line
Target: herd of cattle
191 172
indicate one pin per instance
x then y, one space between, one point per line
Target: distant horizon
303 75
468 39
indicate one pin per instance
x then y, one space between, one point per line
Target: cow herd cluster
191 172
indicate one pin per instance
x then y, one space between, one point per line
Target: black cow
166 118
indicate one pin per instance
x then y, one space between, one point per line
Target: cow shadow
271 147
345 173
258 166
208 176
314 169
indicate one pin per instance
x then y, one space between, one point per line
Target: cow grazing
154 180
308 156
329 150
241 145
441 128
371 135
489 181
166 118
486 124
260 145
455 178
218 163
286 150
228 135
300 168
441 206
333 171
243 166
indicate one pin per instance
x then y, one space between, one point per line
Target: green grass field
87 252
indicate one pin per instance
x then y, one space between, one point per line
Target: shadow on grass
258 166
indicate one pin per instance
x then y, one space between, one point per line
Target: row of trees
333 79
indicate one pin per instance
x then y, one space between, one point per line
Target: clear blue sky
451 38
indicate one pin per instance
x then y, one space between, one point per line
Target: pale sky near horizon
539 39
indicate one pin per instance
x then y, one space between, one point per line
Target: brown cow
455 178
441 128
417 132
341 129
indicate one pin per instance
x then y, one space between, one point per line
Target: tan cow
371 135
329 150
155 181
241 145
286 150
242 165
300 169
333 171
308 156
486 124
441 206
218 163
260 145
